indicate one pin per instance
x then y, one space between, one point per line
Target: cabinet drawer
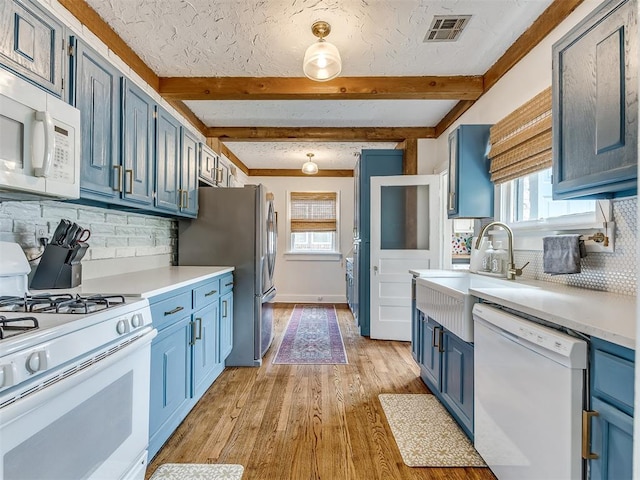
226 284
168 311
613 379
206 293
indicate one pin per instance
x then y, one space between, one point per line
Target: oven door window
97 427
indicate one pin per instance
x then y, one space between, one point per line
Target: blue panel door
457 378
206 353
612 441
96 93
170 380
431 358
226 325
138 143
189 174
31 44
167 162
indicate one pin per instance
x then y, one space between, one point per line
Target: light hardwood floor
307 422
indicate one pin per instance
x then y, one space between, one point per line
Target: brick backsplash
611 272
114 234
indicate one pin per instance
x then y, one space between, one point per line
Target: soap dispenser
487 258
499 260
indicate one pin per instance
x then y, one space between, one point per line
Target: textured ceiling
268 38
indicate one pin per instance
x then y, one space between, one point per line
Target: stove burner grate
8 325
59 303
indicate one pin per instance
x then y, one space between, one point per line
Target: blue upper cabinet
167 162
32 44
595 105
95 91
470 192
189 174
138 144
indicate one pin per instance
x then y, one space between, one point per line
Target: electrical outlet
42 230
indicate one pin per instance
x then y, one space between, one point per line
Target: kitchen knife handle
118 169
129 190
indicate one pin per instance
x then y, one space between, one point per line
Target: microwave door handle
49 144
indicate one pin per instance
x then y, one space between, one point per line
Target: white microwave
39 143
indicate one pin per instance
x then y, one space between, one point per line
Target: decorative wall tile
611 272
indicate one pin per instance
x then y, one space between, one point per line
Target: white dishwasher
528 397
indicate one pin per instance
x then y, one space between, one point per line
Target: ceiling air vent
446 28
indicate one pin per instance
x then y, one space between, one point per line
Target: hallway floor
307 422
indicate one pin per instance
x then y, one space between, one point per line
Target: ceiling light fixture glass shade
322 60
309 167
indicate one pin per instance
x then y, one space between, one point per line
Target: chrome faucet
512 271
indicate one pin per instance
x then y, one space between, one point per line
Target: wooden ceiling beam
342 88
285 172
319 134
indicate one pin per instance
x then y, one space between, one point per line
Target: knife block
53 271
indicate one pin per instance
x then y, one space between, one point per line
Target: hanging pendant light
322 60
309 167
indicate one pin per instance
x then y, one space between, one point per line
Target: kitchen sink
448 301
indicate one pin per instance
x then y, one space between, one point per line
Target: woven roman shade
313 211
521 142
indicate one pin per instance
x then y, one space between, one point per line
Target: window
313 222
530 200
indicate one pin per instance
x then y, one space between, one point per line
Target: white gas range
74 380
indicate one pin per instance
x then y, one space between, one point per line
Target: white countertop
149 283
604 315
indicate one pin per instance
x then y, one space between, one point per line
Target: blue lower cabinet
446 367
188 354
612 442
457 377
206 353
612 403
170 385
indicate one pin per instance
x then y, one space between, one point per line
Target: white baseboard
284 298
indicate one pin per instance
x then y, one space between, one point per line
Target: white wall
311 280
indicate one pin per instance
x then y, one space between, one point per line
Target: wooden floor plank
307 422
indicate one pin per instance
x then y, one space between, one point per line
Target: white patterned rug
197 471
426 434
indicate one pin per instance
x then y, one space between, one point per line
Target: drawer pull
210 293
587 454
175 310
228 284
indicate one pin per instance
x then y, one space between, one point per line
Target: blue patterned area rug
312 337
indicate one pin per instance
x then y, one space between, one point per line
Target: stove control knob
137 320
37 361
122 327
6 375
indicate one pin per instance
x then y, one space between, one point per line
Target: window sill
313 256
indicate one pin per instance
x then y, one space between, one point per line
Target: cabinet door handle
180 199
587 454
175 310
199 322
184 204
433 338
129 190
440 337
208 294
118 169
193 333
452 196
224 309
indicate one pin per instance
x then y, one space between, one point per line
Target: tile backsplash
114 234
612 272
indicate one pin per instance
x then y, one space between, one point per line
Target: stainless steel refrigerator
237 227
